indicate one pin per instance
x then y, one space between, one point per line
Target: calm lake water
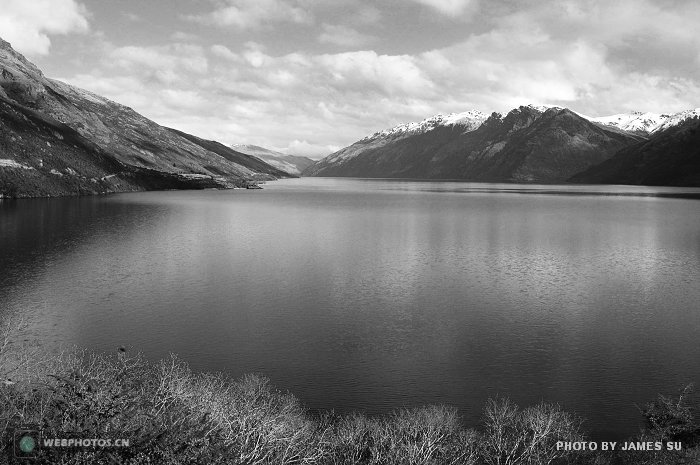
375 294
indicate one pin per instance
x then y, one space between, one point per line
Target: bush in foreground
171 415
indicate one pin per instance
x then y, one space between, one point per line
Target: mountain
232 155
678 118
635 121
529 144
645 123
292 164
671 157
466 121
56 139
341 162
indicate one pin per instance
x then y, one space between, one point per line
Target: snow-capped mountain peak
646 121
678 118
543 108
470 120
633 121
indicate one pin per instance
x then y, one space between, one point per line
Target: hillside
56 139
292 164
234 156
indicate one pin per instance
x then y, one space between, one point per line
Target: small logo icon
26 442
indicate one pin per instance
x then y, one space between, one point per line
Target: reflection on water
379 294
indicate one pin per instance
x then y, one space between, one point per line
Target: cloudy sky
311 76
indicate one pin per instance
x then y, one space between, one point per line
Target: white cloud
251 95
255 54
132 17
367 71
224 52
343 36
325 112
593 60
304 148
252 14
27 24
449 7
367 14
174 58
180 36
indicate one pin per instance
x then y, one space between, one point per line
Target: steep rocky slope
671 157
56 139
529 144
40 156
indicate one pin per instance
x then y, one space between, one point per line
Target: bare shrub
668 419
513 437
352 440
672 417
425 435
420 436
248 420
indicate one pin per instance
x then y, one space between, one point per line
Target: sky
312 76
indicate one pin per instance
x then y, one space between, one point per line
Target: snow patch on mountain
645 121
633 121
9 163
470 120
678 118
543 108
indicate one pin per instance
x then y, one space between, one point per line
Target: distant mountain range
529 144
56 139
292 164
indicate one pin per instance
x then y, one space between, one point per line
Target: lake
373 295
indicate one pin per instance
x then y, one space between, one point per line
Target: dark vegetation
174 416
